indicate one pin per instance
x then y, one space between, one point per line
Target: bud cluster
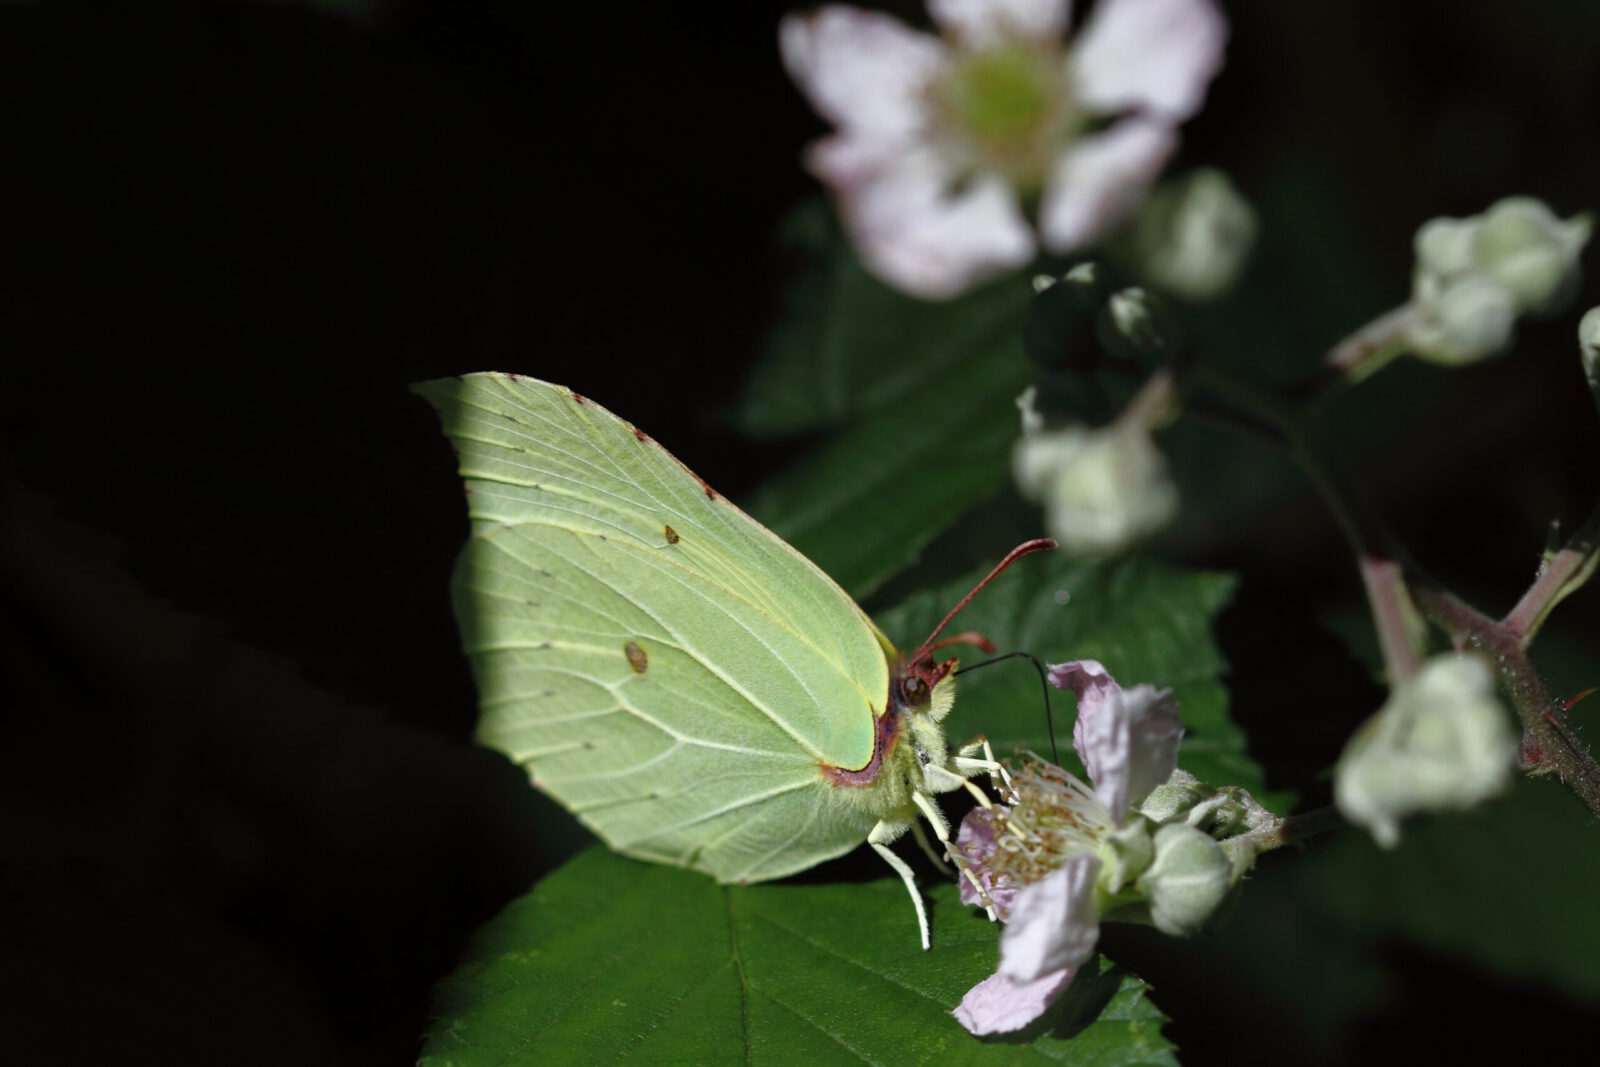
1476 276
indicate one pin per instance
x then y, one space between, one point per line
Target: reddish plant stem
1558 576
1395 589
1548 744
1393 616
1369 348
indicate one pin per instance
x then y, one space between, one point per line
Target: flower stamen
1006 109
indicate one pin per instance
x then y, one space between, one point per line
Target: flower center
1007 108
1052 816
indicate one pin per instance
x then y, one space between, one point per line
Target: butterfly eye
913 690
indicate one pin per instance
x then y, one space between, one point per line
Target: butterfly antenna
965 637
1038 544
1044 688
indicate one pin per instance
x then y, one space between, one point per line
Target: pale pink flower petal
1127 738
999 1005
975 842
864 72
846 161
928 214
1052 931
1054 923
1156 56
918 235
1100 179
913 226
980 22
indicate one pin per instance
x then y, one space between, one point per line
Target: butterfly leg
941 829
878 838
965 763
941 780
927 850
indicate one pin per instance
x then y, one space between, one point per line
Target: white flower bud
1589 346
1464 321
1589 334
1475 276
1193 236
1532 254
1442 741
1101 488
1444 247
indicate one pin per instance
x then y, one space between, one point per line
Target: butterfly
689 685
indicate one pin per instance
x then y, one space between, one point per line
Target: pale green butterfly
690 686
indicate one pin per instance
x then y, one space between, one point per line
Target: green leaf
847 345
610 958
862 505
922 395
1510 884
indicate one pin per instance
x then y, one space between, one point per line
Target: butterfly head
925 686
922 683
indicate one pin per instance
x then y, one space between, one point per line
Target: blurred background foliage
242 810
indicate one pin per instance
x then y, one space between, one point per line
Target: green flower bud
1187 881
1220 813
1136 323
1193 236
1060 314
1231 811
1442 741
1173 800
1125 854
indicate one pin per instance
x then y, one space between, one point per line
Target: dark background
244 822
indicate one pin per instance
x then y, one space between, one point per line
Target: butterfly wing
664 665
